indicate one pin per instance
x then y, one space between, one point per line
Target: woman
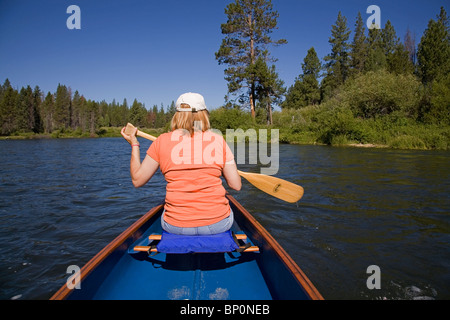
192 159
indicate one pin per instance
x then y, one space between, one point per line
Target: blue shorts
218 227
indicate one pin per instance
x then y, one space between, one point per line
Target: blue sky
155 50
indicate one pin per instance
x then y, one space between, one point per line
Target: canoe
263 271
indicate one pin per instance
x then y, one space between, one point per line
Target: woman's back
192 167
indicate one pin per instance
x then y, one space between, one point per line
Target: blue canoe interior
118 272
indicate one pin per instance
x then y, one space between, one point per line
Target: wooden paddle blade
276 187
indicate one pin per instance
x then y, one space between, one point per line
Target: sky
153 51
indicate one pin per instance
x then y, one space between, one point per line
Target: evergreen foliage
374 89
247 37
32 111
434 49
305 90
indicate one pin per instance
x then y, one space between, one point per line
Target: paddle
276 187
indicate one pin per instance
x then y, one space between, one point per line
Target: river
63 200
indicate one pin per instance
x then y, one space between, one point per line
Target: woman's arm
140 173
231 175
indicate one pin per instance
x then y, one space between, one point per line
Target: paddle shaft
276 187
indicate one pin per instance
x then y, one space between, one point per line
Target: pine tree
47 110
77 111
247 37
305 90
269 88
7 109
37 102
92 115
61 116
22 110
171 111
397 57
434 49
376 56
124 112
399 61
358 54
161 118
389 39
138 114
338 60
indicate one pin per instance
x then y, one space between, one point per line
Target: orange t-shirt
192 167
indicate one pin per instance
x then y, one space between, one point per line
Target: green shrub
435 108
223 119
381 93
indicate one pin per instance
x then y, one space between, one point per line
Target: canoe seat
182 244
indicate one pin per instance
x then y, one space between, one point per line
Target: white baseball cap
195 101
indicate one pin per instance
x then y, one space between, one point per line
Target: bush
381 93
436 103
223 119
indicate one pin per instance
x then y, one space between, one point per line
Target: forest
373 88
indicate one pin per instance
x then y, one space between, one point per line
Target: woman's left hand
132 139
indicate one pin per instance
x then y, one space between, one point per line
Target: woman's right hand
132 139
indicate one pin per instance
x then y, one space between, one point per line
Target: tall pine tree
47 111
61 115
397 57
8 109
37 102
247 37
269 88
305 90
338 61
358 53
434 49
376 56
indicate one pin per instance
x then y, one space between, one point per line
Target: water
61 201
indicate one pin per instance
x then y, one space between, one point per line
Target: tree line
252 77
380 50
371 73
31 110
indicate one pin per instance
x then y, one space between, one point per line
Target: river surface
62 201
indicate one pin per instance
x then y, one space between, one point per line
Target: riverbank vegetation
372 89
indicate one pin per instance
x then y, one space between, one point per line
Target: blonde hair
191 121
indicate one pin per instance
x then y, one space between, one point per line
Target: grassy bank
337 127
378 109
313 125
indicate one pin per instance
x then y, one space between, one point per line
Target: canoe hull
114 273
